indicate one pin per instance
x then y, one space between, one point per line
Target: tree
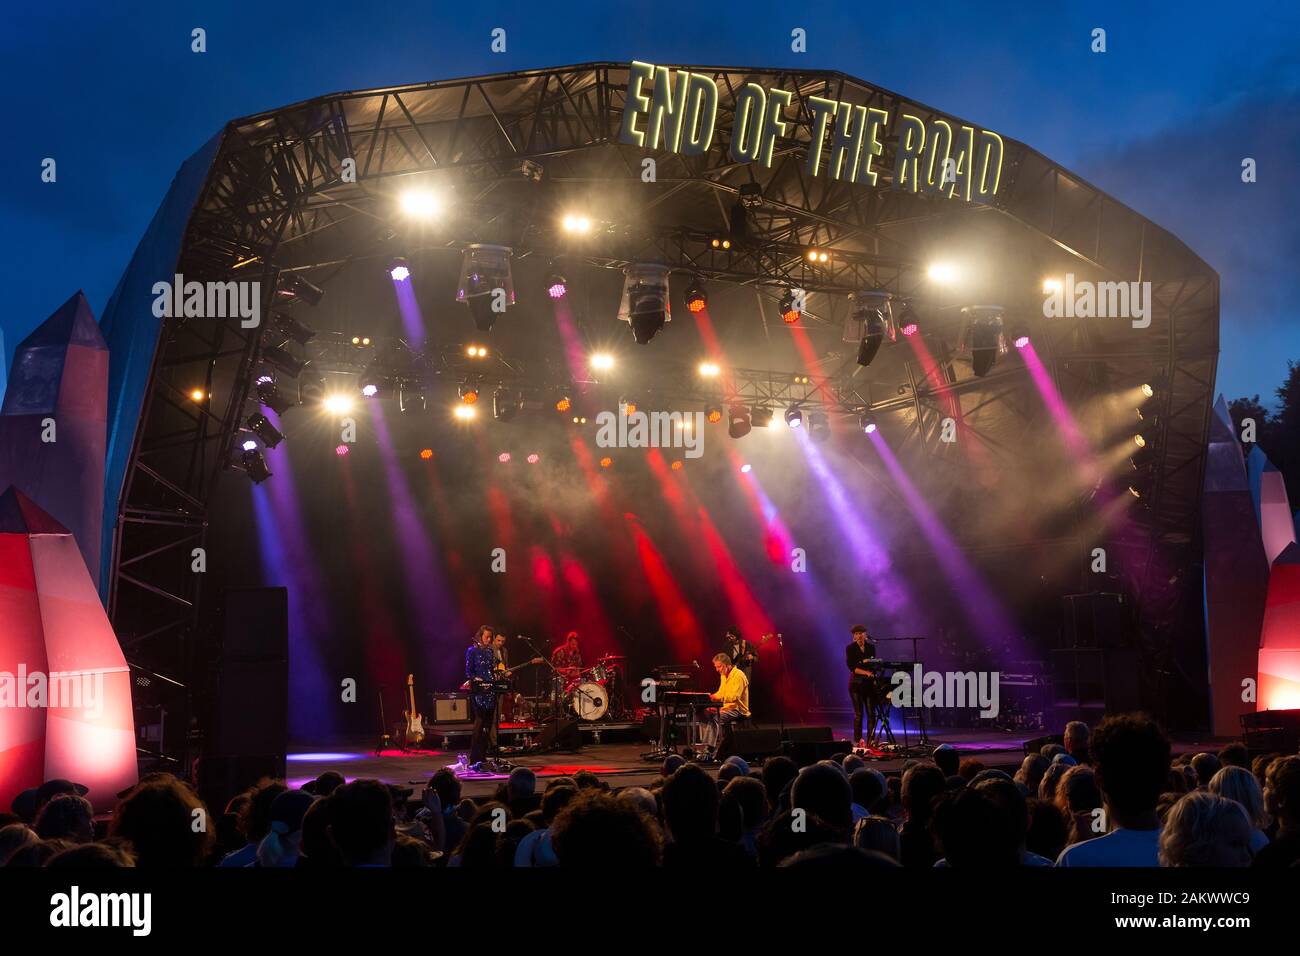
1277 433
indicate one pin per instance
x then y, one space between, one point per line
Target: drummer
567 659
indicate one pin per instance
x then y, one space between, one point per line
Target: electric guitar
414 721
501 672
751 656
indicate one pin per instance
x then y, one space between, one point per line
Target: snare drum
596 674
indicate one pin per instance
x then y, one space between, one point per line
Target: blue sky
1162 120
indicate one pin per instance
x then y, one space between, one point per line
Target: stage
618 763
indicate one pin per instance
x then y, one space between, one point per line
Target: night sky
1162 120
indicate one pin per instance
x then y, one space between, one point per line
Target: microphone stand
780 644
555 703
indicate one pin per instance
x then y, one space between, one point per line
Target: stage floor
618 763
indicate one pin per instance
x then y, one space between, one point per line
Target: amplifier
450 708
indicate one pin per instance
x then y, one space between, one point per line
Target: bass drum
590 702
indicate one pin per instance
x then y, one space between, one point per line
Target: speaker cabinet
753 744
252 701
450 708
560 735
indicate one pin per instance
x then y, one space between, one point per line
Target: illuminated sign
678 113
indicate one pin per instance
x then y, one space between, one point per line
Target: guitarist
480 668
743 654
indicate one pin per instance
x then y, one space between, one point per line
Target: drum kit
592 694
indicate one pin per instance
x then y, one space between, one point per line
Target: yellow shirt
733 691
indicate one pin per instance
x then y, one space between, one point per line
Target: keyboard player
858 656
732 696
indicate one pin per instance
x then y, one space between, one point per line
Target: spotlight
1139 441
556 287
270 396
198 395
579 419
369 391
1020 335
505 405
248 445
868 423
942 272
563 403
982 337
486 284
1147 390
713 414
371 382
465 412
697 300
283 361
790 311
738 421
709 370
818 256
719 243
399 270
476 351
644 305
606 462
421 204
411 398
907 321
1051 285
677 465
338 404
602 361
340 450
255 464
534 458
468 394
261 426
746 469
291 287
576 224
801 380
761 416
426 453
503 457
794 416
873 334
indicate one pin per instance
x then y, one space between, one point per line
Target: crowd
1111 796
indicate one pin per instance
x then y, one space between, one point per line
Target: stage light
942 272
686 423
563 403
1021 341
720 243
283 361
476 351
198 395
868 423
762 417
738 421
644 305
338 404
907 321
503 457
249 445
341 450
1051 285
399 270
505 405
626 406
602 361
713 414
709 369
1147 390
606 462
818 256
421 204
982 337
468 394
261 426
677 465
291 287
426 453
579 419
486 284
801 380
556 287
411 398
369 391
534 458
465 412
746 469
1139 441
697 300
576 224
255 464
271 396
1132 490
311 390
790 313
794 416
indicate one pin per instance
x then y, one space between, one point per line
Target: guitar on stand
412 720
